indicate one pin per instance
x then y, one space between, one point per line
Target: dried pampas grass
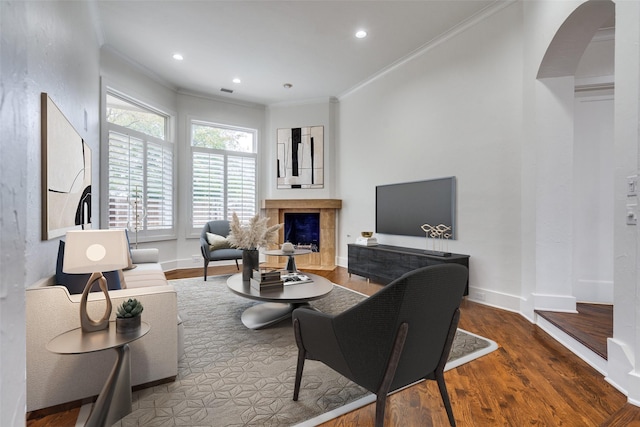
253 235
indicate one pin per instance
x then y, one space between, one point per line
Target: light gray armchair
221 228
400 335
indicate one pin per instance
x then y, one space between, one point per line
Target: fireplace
305 211
303 230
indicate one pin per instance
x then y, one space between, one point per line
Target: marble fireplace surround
275 209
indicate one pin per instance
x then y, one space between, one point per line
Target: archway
587 107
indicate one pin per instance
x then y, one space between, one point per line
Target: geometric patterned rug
234 376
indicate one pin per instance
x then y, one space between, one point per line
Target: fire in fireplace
303 230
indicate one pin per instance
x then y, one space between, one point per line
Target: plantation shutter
159 187
140 169
216 194
224 164
208 187
126 176
241 186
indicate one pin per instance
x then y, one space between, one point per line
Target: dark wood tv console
385 263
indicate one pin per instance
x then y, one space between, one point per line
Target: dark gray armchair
221 228
398 336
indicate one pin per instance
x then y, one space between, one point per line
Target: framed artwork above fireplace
300 162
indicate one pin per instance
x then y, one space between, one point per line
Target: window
224 173
140 168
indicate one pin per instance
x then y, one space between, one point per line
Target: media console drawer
384 263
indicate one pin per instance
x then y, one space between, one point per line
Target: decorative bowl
287 247
366 234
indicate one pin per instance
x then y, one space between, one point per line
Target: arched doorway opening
579 63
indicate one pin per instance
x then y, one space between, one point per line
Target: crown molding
447 35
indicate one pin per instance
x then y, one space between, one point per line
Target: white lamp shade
89 251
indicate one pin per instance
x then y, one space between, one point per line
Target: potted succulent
128 316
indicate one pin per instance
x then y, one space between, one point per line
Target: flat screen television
402 209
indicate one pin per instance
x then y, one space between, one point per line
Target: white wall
116 72
541 97
542 20
593 171
216 111
624 348
593 197
455 110
46 47
554 49
554 99
13 211
312 113
132 79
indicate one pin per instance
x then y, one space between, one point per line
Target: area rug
234 376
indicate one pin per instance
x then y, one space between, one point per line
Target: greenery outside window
223 173
140 169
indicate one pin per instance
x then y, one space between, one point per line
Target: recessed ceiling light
361 34
177 57
237 80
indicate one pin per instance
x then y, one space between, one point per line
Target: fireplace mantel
326 258
302 204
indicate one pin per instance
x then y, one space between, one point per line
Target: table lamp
95 251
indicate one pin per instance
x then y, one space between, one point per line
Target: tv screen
402 209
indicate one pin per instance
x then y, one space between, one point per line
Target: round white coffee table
277 304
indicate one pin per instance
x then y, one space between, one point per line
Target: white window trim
131 96
194 232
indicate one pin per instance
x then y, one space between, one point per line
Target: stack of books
266 279
367 241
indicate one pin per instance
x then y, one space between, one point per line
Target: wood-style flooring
591 326
530 380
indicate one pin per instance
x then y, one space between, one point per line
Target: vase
128 324
250 261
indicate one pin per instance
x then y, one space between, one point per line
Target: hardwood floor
530 380
591 326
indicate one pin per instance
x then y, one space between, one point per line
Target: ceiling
266 44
